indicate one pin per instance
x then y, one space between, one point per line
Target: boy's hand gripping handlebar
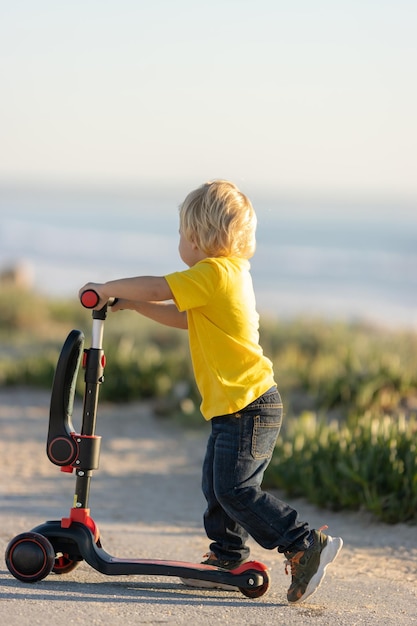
90 299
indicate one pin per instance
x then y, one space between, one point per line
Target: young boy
214 300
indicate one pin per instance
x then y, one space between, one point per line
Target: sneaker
211 559
308 567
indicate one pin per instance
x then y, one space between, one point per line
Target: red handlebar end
90 299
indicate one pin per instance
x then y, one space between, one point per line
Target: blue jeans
239 450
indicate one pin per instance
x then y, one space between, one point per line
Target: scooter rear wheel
256 592
30 557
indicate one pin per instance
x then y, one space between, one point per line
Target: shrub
341 368
369 463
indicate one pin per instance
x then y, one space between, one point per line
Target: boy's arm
138 289
162 312
145 294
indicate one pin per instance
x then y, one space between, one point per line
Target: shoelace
294 561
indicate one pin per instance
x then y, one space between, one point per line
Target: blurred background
112 111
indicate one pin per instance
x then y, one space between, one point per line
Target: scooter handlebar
90 299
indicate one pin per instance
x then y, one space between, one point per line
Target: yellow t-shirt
229 366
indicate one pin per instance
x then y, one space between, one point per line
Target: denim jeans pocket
264 435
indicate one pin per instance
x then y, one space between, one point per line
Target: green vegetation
145 360
349 391
349 438
369 463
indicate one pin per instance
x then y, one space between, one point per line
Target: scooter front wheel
256 592
30 557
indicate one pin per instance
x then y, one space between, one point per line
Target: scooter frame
59 546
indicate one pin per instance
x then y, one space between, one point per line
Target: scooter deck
85 548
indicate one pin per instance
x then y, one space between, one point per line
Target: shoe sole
206 584
327 556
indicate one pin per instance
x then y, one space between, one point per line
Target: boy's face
189 252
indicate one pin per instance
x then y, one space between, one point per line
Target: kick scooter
59 546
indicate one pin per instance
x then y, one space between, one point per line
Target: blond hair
220 220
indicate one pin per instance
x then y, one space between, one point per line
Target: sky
305 96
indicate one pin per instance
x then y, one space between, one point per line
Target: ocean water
335 259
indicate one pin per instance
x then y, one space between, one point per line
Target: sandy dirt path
146 499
